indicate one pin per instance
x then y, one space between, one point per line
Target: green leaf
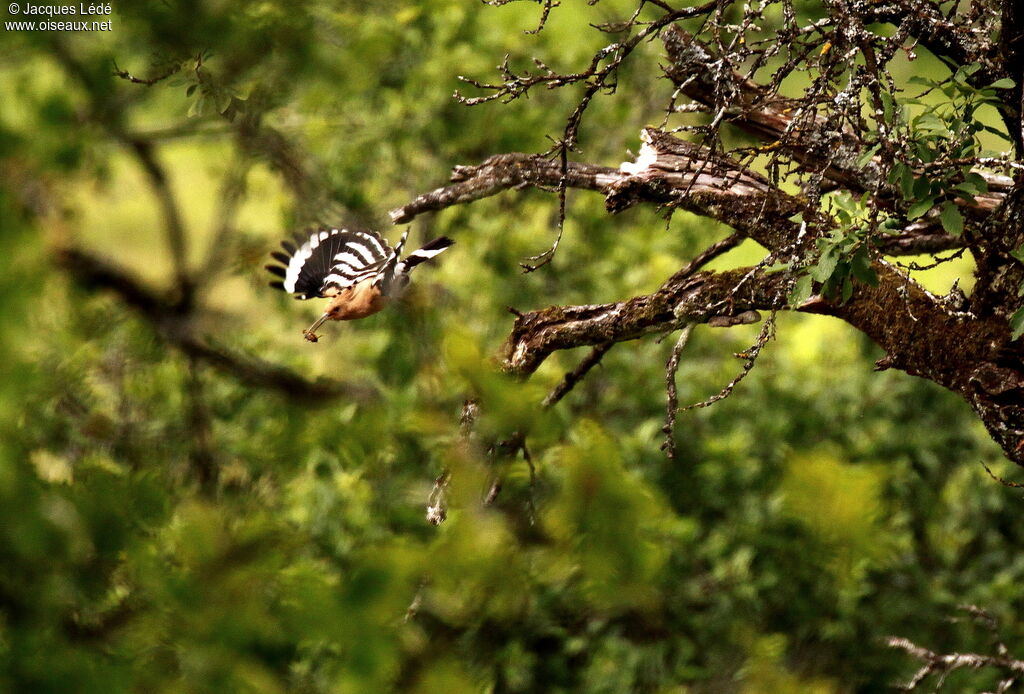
891 224
976 180
861 268
996 131
1005 83
198 107
847 290
920 207
888 106
925 153
952 220
907 181
1019 253
1017 324
972 185
868 155
931 123
801 291
922 188
965 194
826 264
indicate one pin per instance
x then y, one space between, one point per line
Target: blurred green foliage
817 510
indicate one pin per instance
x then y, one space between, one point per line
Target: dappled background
193 498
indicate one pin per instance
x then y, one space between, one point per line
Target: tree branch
943 664
174 326
680 301
945 38
503 172
573 377
788 125
922 334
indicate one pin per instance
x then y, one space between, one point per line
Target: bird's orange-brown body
357 270
358 301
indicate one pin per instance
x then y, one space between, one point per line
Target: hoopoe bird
357 270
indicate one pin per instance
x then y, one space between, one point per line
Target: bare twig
943 664
149 82
672 405
1000 480
576 375
437 501
749 357
713 251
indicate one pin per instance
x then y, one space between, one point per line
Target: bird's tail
435 247
394 277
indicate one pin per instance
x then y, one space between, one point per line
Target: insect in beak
310 332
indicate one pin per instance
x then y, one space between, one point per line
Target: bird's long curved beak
310 332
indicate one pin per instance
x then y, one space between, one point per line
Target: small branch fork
943 665
597 77
749 359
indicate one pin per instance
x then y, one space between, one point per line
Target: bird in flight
356 269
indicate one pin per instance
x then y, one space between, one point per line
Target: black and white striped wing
394 276
325 259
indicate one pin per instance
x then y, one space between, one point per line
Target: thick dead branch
503 172
687 300
668 171
914 243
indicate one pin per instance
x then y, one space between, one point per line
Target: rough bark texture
922 334
961 344
697 298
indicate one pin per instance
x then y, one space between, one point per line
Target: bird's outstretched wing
394 274
323 261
